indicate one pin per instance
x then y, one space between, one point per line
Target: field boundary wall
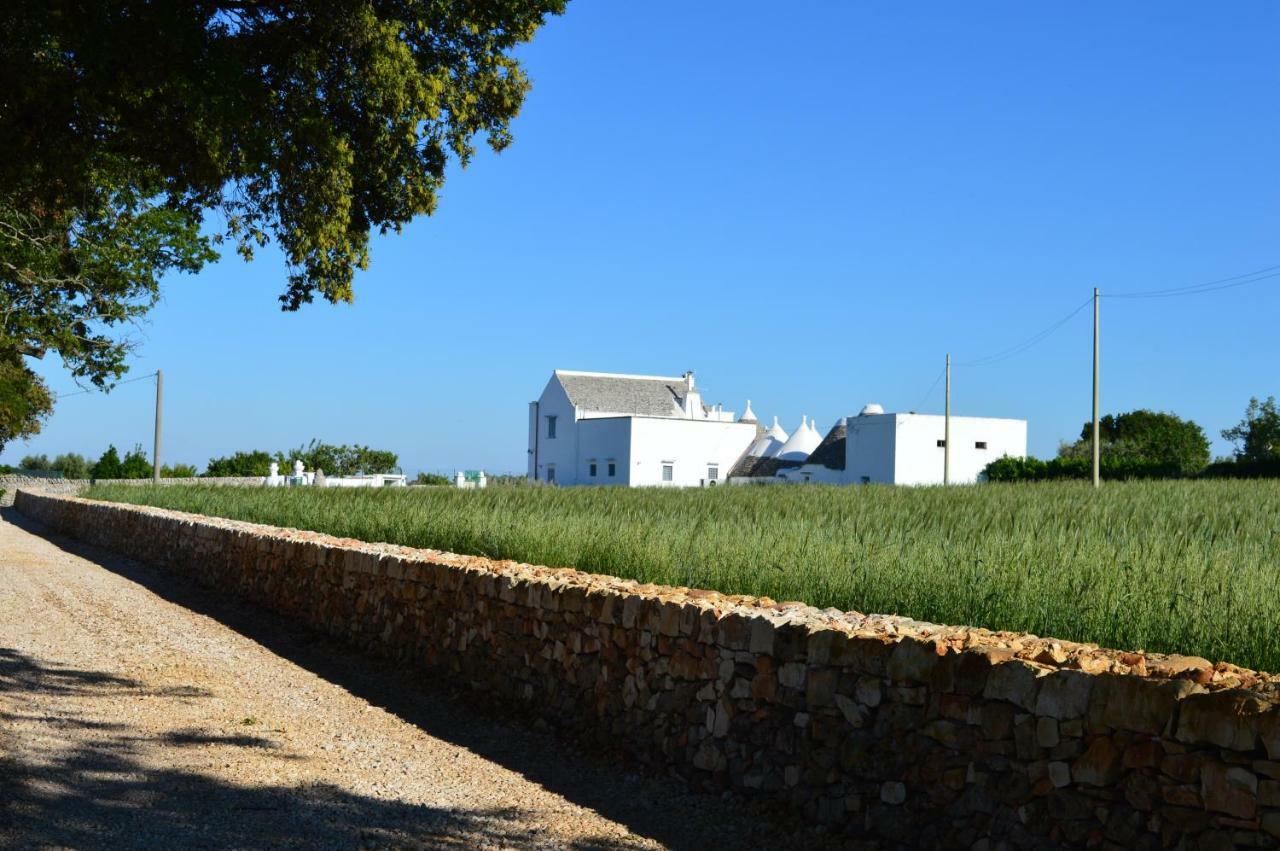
11 484
909 733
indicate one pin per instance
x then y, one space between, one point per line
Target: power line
1206 286
929 392
1019 348
114 386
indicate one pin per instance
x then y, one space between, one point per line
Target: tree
135 464
25 401
1142 437
432 479
256 463
108 466
1257 436
341 460
177 471
129 125
72 465
39 463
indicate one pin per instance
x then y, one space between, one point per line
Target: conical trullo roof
801 444
748 416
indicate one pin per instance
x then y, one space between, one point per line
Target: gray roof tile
652 397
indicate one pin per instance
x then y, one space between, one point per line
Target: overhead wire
85 390
1019 348
1205 287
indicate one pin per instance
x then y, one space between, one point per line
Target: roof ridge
678 379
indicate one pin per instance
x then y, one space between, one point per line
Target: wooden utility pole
1097 449
155 470
946 430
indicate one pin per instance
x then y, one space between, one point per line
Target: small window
613 469
551 472
866 480
668 472
551 428
980 444
593 469
942 443
713 473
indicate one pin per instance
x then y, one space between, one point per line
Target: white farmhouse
597 428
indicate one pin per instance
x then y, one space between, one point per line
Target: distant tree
108 466
1145 438
255 463
432 479
177 471
39 463
341 460
135 464
1257 436
72 465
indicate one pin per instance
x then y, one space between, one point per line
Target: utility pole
159 410
1097 449
946 430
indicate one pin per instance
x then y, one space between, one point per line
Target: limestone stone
792 675
1046 732
1015 681
893 792
1060 774
1228 719
1134 703
1229 789
912 661
1099 765
1064 695
868 691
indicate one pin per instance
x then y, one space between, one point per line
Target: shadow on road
660 808
101 796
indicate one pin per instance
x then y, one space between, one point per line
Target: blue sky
809 204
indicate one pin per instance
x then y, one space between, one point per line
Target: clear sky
807 203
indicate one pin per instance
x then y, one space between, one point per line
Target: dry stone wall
912 734
71 487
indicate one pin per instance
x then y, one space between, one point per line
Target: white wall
604 440
919 459
869 449
562 449
690 446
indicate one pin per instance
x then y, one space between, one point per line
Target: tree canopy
1145 437
139 135
1257 436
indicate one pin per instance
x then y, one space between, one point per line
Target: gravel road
137 710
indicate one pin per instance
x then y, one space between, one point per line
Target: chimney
688 381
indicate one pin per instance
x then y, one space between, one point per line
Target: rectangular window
942 443
613 469
551 428
713 473
551 472
593 469
981 444
866 480
668 472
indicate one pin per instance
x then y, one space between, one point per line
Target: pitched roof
652 396
830 452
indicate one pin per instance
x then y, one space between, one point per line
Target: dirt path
139 711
